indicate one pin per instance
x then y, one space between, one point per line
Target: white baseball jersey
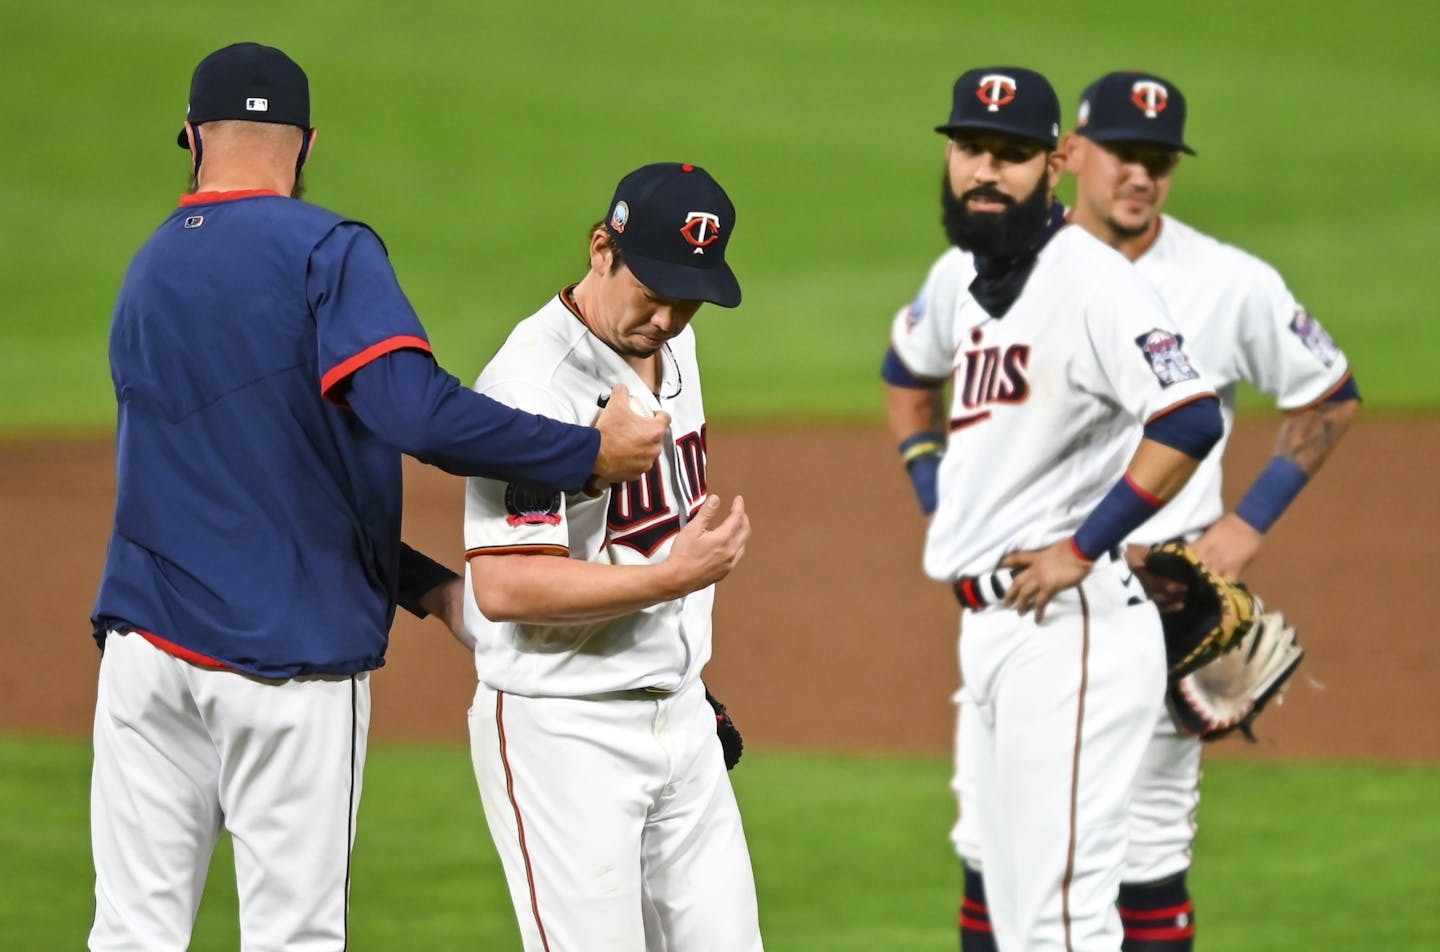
552 365
1046 401
594 747
1238 321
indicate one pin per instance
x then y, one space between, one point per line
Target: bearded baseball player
1239 322
603 781
269 371
1058 356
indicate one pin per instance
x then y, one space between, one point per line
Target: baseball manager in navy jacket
269 373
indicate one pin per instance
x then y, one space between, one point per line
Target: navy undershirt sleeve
409 401
895 373
1192 428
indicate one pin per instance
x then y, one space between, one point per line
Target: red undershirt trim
184 654
1144 493
519 823
210 198
375 351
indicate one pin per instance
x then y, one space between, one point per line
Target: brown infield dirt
828 637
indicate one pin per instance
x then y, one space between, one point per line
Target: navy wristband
1123 510
921 454
1271 494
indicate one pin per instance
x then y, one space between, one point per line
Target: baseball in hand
641 408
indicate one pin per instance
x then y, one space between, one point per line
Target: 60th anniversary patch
530 505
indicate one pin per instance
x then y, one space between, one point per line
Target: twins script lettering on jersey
986 375
641 516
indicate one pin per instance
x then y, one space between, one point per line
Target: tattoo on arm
1307 437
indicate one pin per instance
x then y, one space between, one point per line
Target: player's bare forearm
1308 436
1160 470
1306 439
911 410
553 590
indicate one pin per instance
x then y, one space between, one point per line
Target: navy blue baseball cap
1133 107
672 222
1008 99
251 82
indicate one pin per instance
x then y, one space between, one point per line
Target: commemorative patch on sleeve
915 311
1314 337
530 505
1167 357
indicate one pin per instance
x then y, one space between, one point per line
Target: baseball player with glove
1239 322
593 738
269 372
1058 357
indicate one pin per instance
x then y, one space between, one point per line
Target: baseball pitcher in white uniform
1057 356
1239 322
594 746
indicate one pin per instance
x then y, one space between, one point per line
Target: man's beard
994 235
1127 231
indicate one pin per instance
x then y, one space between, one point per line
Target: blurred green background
483 139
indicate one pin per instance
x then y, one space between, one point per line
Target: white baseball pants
615 821
181 751
1060 714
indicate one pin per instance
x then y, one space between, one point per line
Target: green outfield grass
483 139
850 855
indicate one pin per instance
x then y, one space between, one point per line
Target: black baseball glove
1214 616
730 741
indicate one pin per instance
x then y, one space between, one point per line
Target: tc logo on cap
701 229
256 104
996 90
1150 96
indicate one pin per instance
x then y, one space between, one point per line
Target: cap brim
716 285
182 140
995 127
1123 136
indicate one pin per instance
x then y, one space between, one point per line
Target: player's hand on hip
629 442
710 545
1229 546
1043 573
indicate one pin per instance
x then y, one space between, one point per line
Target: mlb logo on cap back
672 223
251 82
1009 99
1133 107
